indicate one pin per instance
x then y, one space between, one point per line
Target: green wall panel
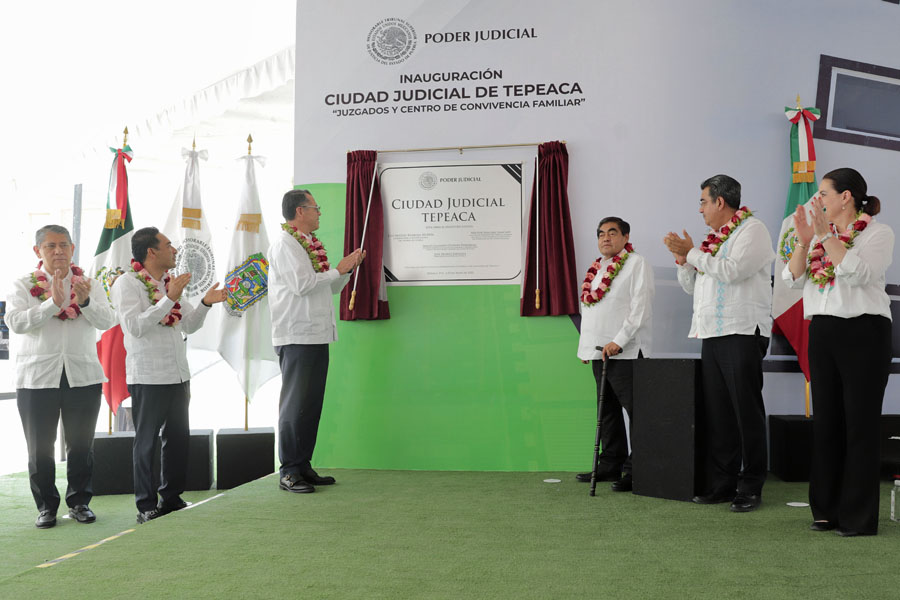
455 380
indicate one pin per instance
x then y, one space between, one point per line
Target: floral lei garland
590 297
153 292
820 269
315 249
715 239
40 284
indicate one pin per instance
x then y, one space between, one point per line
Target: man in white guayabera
55 312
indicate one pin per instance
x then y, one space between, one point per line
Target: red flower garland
174 315
715 239
820 269
40 284
314 248
590 297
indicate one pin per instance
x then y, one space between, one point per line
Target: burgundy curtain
360 170
553 251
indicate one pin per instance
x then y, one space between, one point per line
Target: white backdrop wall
672 92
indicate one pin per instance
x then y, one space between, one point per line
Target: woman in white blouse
840 260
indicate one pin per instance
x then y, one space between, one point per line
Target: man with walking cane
616 312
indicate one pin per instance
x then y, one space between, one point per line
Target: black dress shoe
851 533
746 502
291 483
148 515
45 520
823 525
601 476
165 508
622 485
82 513
313 478
715 497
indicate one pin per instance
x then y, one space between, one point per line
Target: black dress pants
304 369
616 396
735 416
849 364
153 407
40 410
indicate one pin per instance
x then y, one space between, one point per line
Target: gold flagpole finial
125 138
799 106
249 143
194 143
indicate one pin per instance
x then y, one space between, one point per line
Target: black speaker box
114 469
243 456
667 400
790 446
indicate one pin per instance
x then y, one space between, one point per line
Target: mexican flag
113 257
245 340
787 303
189 232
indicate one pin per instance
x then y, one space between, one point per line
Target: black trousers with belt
304 369
153 407
617 396
40 410
735 416
849 364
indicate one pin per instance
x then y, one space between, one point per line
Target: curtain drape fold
371 298
550 257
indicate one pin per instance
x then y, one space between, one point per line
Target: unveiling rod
363 240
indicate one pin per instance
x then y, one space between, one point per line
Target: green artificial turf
416 534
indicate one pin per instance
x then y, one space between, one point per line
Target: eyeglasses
51 246
318 210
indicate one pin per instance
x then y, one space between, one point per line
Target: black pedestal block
114 469
200 460
790 446
113 466
890 448
243 456
667 396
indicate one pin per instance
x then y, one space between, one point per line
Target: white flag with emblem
246 327
189 232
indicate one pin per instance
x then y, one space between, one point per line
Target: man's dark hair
41 233
725 186
143 240
291 201
624 227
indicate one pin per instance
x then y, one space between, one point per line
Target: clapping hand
679 247
56 289
177 285
82 290
214 295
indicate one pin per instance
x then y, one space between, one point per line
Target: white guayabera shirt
45 344
733 289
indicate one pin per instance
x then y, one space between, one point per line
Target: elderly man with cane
616 314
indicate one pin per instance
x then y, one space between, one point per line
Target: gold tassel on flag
190 218
113 218
249 222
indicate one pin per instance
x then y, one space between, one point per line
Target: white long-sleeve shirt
45 344
734 293
858 281
300 299
624 315
156 354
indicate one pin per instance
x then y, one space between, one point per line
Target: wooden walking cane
363 240
597 438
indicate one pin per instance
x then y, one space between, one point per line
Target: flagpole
537 230
363 241
108 402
